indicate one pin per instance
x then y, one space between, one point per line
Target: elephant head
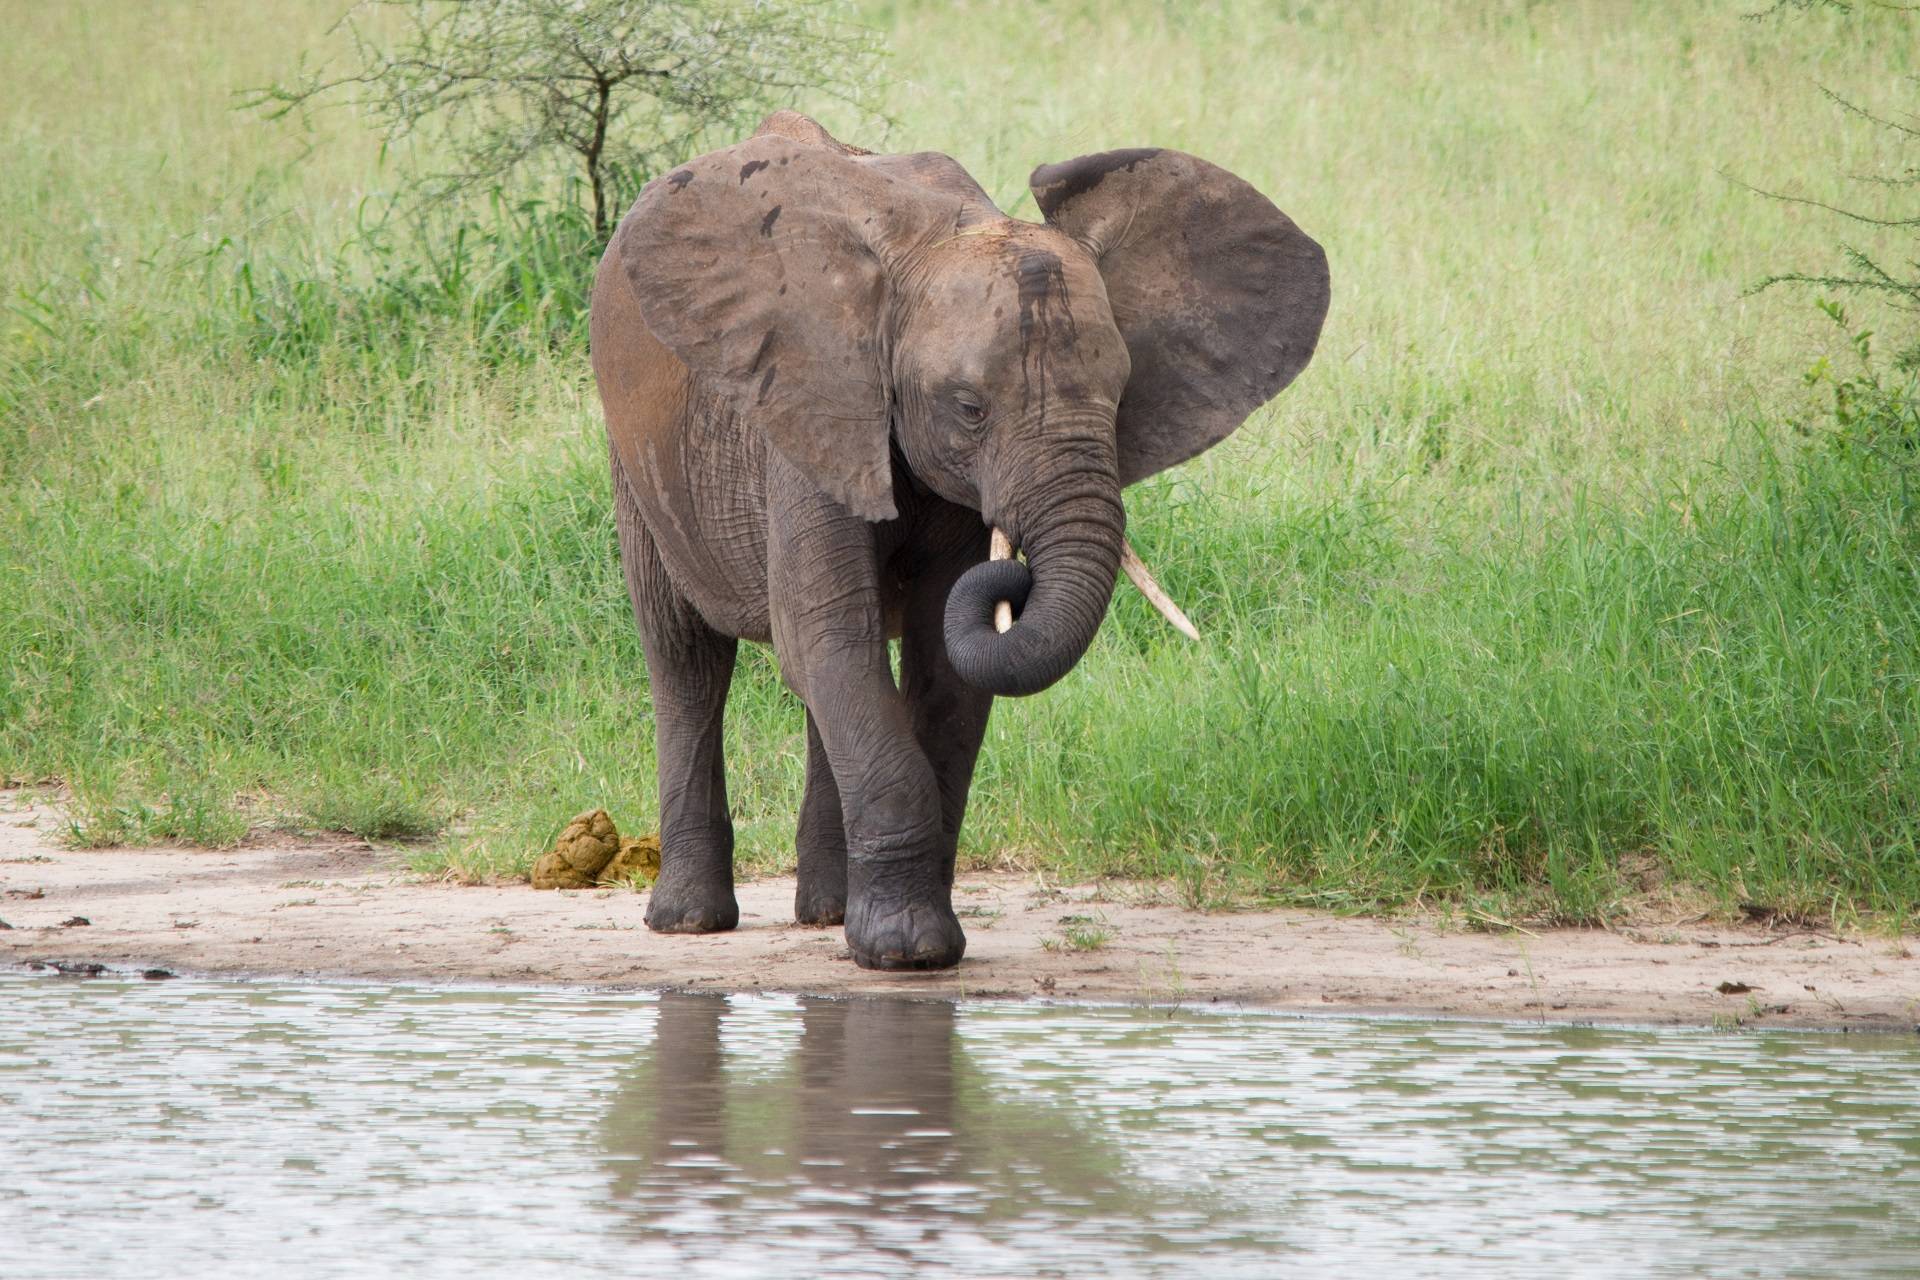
862 304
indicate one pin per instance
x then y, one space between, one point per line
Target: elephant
833 382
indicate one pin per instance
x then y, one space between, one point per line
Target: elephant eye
970 408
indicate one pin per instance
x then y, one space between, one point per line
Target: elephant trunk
1071 525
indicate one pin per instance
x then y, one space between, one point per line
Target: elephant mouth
1005 610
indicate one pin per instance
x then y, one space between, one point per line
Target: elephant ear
1218 295
765 268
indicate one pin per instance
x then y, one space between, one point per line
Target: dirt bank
335 908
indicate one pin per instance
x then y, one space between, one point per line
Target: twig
1504 924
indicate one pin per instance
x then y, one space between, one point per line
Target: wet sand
337 908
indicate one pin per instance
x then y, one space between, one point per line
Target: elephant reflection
879 1109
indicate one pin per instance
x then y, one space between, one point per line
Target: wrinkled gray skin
825 374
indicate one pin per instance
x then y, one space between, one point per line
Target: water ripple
243 1129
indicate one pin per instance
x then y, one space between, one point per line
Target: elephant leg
899 911
949 716
689 667
829 632
821 896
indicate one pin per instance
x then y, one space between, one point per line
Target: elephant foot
819 906
692 908
919 935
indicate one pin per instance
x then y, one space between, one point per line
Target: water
226 1129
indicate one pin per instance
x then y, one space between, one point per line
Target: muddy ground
334 908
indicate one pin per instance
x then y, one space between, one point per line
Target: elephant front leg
828 630
899 911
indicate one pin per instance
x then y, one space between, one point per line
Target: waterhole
213 1129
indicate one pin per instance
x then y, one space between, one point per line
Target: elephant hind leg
821 841
689 668
949 715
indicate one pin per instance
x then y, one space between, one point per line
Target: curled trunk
1072 536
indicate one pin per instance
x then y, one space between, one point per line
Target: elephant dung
581 853
638 860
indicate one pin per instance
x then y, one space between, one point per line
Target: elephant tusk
1000 547
1130 561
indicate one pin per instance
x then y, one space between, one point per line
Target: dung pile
639 858
590 851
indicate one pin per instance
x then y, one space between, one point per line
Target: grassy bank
1546 583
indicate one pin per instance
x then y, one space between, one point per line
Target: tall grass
1550 579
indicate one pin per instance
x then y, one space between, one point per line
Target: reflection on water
246 1129
873 1130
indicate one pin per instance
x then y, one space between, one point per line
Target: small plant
1873 408
1865 270
1876 407
1080 933
618 88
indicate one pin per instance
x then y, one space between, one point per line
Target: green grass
1531 584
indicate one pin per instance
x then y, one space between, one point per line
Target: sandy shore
343 909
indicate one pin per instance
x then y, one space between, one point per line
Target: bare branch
1855 108
1784 198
